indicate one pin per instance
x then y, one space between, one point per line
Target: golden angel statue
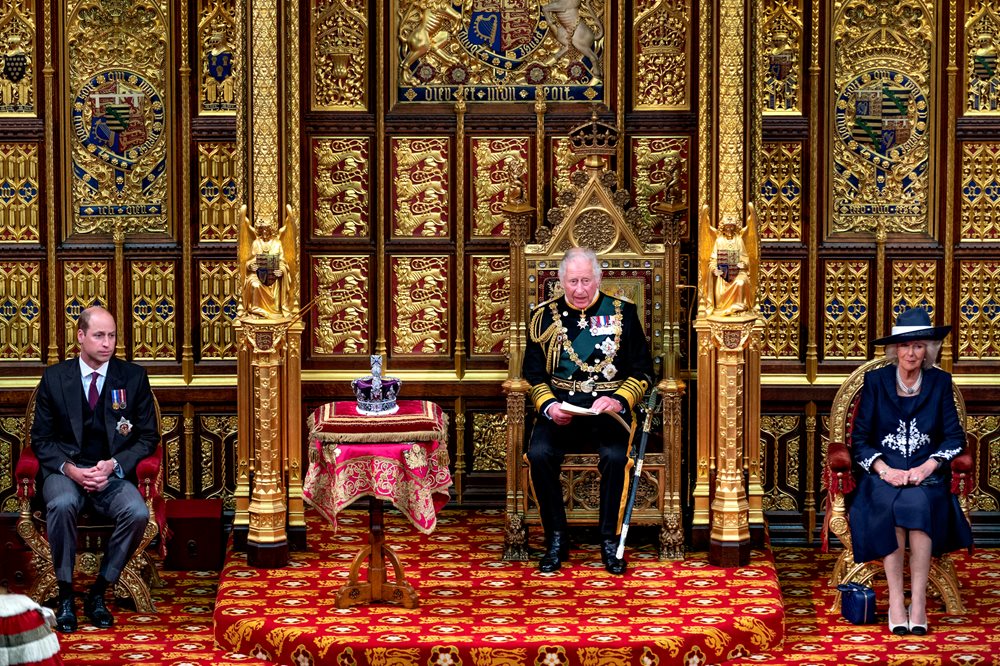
268 257
729 263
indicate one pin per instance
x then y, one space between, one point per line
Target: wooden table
400 457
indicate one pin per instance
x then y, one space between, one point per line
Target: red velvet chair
839 478
139 574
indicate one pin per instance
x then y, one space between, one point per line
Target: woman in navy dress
905 434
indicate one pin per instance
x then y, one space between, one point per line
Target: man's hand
558 416
91 479
607 404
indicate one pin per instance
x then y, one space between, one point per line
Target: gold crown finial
594 137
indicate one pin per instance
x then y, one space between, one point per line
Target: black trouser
546 450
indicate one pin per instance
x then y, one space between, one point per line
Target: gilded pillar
519 213
270 508
267 543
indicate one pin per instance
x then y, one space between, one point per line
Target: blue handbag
857 603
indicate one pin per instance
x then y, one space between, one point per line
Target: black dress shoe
557 553
612 563
66 615
98 613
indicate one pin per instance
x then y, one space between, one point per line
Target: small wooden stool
377 588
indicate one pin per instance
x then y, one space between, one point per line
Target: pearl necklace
909 390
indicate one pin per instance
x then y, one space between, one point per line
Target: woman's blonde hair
933 348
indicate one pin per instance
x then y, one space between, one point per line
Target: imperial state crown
376 394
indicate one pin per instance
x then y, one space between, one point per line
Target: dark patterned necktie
92 394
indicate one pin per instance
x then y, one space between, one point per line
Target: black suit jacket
57 431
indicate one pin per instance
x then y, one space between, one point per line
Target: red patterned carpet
476 609
182 632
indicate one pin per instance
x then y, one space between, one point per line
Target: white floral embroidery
609 347
906 442
609 371
948 454
867 464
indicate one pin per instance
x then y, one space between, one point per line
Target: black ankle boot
556 554
609 557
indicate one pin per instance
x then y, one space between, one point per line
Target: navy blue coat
905 432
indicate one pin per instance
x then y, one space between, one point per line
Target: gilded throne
140 573
839 478
592 214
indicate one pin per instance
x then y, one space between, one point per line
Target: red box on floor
196 534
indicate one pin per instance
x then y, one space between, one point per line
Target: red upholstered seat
140 572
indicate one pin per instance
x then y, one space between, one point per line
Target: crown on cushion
376 394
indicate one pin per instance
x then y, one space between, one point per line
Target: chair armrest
26 472
963 472
147 472
838 458
839 472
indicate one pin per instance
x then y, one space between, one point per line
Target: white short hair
933 348
575 253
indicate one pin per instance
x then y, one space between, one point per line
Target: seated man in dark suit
587 349
94 421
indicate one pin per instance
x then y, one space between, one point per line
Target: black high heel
902 629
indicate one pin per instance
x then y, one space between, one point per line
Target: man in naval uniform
587 349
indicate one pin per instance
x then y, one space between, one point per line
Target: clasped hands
92 479
908 477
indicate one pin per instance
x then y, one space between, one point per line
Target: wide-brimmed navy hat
914 324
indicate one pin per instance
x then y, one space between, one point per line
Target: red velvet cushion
25 473
838 457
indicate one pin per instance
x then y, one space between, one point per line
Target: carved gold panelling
846 308
116 64
662 45
420 186
496 162
500 51
780 300
779 199
173 470
564 163
154 305
980 191
85 283
780 434
218 286
343 186
17 57
984 435
979 309
982 36
419 315
20 311
218 193
490 304
913 285
11 439
340 54
883 100
19 193
218 60
660 175
341 305
216 448
781 66
489 442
